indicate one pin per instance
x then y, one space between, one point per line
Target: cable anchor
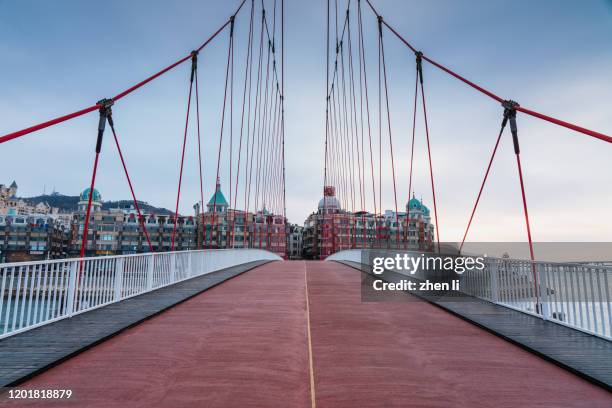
510 115
419 64
194 63
105 114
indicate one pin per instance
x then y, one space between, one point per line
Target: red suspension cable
531 253
433 188
380 144
416 92
254 135
55 121
230 211
88 213
501 131
127 176
520 171
382 49
105 113
200 158
229 53
283 111
362 69
349 133
261 140
23 132
180 180
247 80
355 133
495 97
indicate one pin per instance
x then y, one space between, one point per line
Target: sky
551 56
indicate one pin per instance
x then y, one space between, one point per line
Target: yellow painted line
313 401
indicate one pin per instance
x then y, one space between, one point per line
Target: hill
69 203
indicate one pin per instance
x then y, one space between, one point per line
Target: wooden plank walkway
581 353
26 354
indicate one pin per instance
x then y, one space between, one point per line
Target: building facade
295 241
31 232
119 231
10 204
27 236
331 229
223 227
32 238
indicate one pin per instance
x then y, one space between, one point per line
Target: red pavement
240 344
245 343
413 354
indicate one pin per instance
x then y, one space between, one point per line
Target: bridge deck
584 354
25 354
246 343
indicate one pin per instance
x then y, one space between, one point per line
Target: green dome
425 210
417 205
96 196
414 204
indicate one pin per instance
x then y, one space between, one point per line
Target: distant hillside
69 203
64 203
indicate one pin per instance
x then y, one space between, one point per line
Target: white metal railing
575 295
36 293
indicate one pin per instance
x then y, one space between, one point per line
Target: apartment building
331 229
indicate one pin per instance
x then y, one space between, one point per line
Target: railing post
544 297
118 284
150 270
494 282
189 271
173 267
71 289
